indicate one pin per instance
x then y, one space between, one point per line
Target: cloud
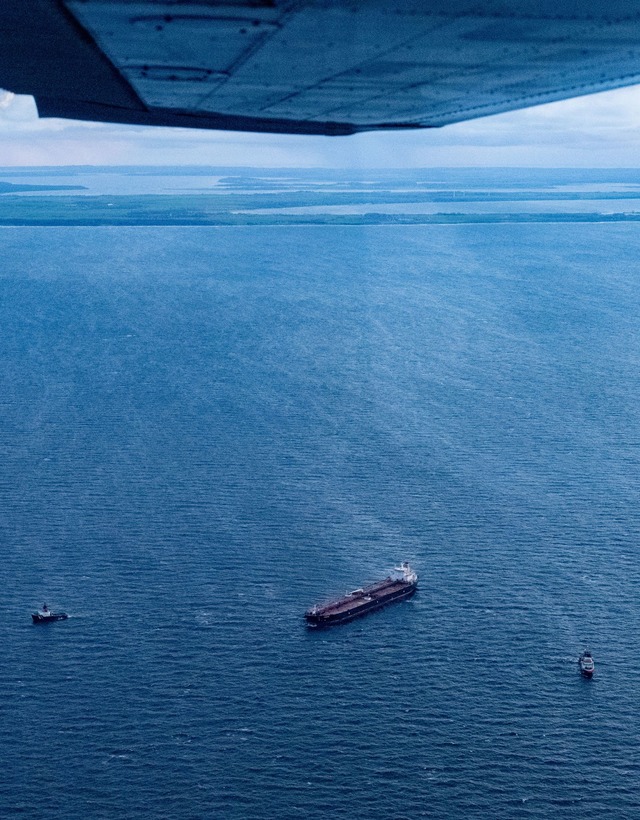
598 130
16 110
6 99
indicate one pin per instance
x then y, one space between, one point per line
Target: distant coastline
223 196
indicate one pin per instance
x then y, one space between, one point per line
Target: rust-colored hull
360 602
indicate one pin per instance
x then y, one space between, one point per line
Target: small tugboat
46 616
587 666
364 600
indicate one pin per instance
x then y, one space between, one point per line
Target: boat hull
587 667
47 619
328 616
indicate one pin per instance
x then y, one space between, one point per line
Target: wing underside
320 66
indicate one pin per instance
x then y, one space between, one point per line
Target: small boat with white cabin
587 666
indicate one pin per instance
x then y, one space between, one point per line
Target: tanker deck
364 600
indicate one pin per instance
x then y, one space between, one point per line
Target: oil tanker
364 600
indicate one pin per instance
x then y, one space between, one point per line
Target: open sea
204 431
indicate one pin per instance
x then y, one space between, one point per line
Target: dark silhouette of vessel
365 600
46 616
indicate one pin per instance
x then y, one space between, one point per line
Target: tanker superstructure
366 599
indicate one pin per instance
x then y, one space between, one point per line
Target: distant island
18 187
203 210
260 197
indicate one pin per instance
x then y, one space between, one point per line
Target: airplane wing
311 66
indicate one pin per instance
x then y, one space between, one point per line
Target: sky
596 131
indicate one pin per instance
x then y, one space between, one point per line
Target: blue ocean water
203 431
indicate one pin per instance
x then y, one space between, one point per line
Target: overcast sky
602 130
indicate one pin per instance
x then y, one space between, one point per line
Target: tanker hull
362 601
